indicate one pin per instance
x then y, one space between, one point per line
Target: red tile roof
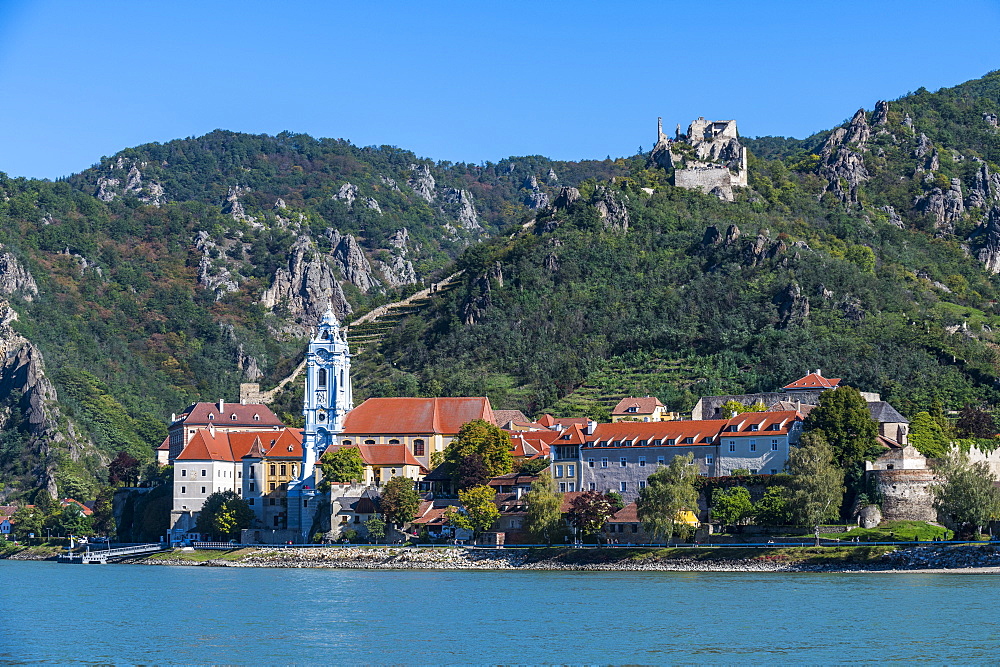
643 406
416 415
814 381
567 500
530 444
548 421
627 514
218 445
382 455
165 445
7 511
688 433
83 508
250 414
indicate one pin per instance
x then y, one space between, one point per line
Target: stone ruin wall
906 494
705 179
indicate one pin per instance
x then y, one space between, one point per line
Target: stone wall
906 494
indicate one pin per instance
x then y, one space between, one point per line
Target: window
571 471
732 446
774 471
689 440
642 484
204 473
253 487
203 489
211 416
593 486
659 460
284 469
322 377
394 441
623 486
233 416
369 442
271 486
305 502
274 470
657 442
184 489
562 487
256 418
753 445
642 461
622 462
418 447
252 475
604 463
754 427
571 486
558 471
184 473
590 463
275 522
774 445
709 460
239 474
635 528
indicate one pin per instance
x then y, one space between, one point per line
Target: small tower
327 400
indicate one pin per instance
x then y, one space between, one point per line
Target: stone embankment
977 558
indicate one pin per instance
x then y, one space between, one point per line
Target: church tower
327 400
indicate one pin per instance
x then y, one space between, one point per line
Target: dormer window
731 428
689 440
754 427
657 442
233 416
256 418
211 416
671 442
633 409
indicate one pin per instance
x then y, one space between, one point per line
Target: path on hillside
367 318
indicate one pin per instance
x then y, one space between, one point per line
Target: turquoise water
140 614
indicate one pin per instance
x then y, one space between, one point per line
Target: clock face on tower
324 355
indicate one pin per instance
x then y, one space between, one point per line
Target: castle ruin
709 157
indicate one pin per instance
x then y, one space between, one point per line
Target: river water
157 615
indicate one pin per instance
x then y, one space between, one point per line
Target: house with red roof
621 456
648 409
812 382
221 416
384 461
255 464
422 425
6 512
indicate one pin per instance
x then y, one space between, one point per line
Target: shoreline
929 559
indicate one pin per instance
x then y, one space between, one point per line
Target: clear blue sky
461 81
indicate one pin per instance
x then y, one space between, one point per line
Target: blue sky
460 81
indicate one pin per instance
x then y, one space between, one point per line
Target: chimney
591 425
222 407
819 372
211 429
173 417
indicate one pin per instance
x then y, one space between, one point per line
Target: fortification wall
906 494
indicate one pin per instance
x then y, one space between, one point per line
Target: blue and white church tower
327 400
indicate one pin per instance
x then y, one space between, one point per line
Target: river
144 614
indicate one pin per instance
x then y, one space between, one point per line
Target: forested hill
170 273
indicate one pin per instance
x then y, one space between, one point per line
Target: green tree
28 520
481 438
223 515
732 507
103 518
927 436
975 423
399 502
530 466
732 407
817 485
846 425
72 521
479 507
669 492
376 528
589 511
342 465
544 521
772 508
969 497
617 502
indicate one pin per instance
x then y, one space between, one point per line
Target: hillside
172 272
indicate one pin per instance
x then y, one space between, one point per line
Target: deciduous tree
968 498
342 465
589 511
927 436
480 510
817 486
732 506
123 470
544 521
669 492
399 502
224 515
103 518
846 425
975 423
376 528
488 441
772 508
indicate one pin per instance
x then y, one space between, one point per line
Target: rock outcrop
347 194
301 291
458 203
610 205
123 177
536 197
351 259
233 207
15 280
985 241
894 218
985 186
215 277
422 182
398 270
944 207
841 161
793 307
